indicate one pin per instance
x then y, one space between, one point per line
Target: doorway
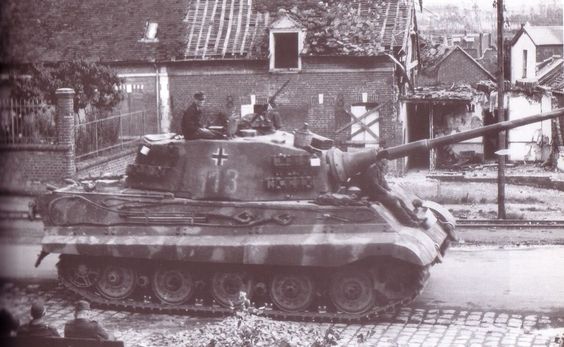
418 129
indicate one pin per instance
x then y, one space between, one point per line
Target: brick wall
457 67
113 165
341 81
26 168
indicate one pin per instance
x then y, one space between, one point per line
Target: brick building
448 65
445 101
342 58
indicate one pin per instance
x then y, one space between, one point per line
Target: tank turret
199 226
275 166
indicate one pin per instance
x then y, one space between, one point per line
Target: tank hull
290 233
128 249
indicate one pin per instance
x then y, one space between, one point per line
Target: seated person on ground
83 327
37 326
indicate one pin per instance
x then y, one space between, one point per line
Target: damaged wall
530 142
456 118
446 111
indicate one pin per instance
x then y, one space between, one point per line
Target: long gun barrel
344 165
426 144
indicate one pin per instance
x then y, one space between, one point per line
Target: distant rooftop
543 35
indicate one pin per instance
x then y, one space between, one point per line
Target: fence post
65 127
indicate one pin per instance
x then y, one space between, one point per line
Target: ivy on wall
94 84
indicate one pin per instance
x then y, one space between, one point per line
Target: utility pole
500 115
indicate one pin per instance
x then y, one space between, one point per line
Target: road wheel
292 292
227 287
116 281
173 285
351 291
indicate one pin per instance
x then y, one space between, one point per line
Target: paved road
521 279
478 297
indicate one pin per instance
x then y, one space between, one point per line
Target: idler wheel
292 292
395 280
81 274
116 282
173 285
351 291
227 287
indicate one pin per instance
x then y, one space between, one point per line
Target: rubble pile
248 329
337 27
431 53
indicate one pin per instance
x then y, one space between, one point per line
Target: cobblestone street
409 327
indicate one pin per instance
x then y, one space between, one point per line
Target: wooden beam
228 34
210 27
253 36
369 124
366 114
220 30
247 24
187 51
383 31
367 129
202 21
239 24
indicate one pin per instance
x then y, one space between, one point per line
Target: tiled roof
97 30
459 92
431 54
552 76
112 30
223 28
545 35
541 35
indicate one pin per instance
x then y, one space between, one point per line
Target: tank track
270 311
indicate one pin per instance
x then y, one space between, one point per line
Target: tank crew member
36 327
272 116
82 327
193 126
373 184
265 121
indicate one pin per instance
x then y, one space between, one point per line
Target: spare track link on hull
204 310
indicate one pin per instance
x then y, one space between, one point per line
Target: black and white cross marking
219 156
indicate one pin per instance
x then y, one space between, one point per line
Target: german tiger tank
204 226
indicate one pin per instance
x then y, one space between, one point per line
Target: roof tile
111 30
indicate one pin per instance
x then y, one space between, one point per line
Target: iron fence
27 121
113 133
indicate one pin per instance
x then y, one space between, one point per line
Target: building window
524 63
286 42
286 51
150 34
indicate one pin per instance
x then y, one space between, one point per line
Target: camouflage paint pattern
239 201
275 233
